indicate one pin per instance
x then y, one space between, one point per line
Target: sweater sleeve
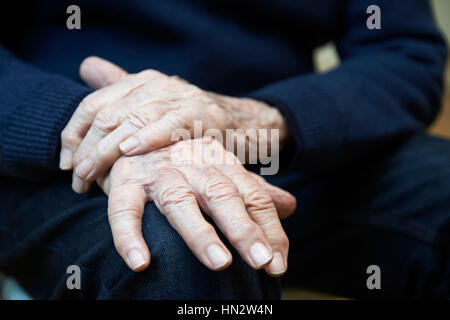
34 108
388 85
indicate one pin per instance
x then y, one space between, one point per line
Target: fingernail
135 259
277 265
260 254
129 144
217 256
84 168
78 185
65 159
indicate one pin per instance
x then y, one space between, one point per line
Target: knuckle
242 231
178 195
89 104
217 189
277 238
258 200
68 138
176 119
193 91
150 73
106 121
214 149
284 242
101 152
218 148
199 233
115 76
215 108
231 158
138 118
121 210
279 242
218 115
178 79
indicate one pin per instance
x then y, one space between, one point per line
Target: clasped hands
120 137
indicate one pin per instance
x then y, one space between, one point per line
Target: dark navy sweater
387 87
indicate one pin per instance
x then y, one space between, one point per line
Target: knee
175 273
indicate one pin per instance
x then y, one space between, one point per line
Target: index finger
125 211
86 112
77 127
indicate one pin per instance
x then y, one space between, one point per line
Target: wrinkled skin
139 112
190 176
176 176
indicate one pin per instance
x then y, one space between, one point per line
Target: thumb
99 73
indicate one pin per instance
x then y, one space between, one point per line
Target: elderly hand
139 113
182 179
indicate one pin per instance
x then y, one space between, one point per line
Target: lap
392 211
45 228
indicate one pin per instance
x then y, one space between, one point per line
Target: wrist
248 113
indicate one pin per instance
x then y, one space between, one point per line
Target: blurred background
326 58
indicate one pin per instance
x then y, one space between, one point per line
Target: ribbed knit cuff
31 132
313 117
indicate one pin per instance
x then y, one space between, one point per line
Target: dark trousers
392 211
